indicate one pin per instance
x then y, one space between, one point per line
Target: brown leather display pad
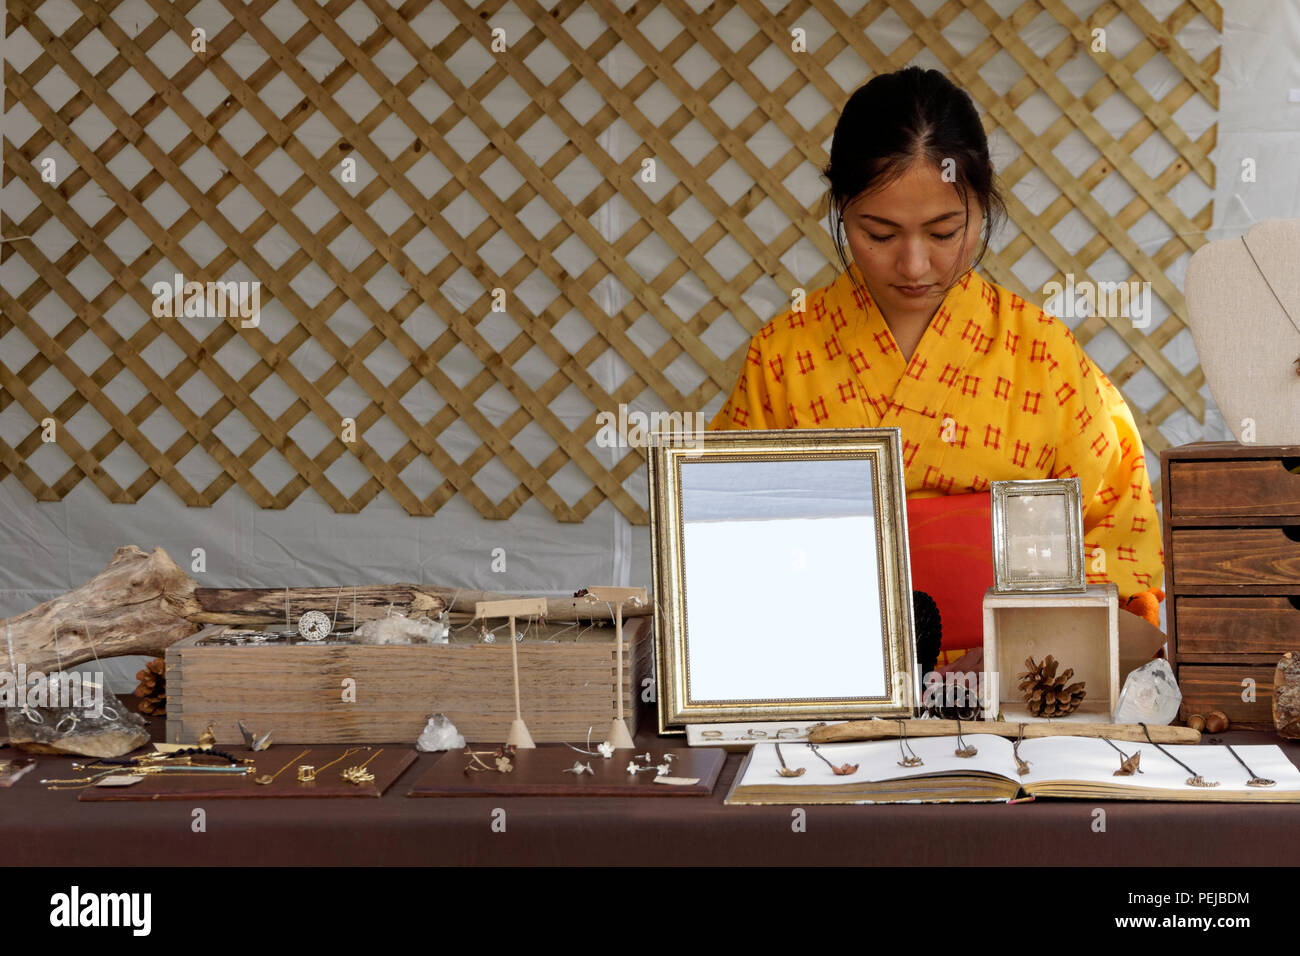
540 773
386 766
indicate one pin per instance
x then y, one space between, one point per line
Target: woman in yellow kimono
984 385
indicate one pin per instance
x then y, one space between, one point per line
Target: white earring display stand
619 735
516 607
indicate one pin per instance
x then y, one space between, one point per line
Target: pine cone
153 687
1047 693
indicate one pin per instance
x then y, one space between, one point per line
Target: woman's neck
908 330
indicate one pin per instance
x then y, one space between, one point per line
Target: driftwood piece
1286 696
254 606
136 605
557 609
142 603
887 729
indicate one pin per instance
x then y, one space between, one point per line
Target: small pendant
1129 765
1261 781
910 762
783 770
1199 781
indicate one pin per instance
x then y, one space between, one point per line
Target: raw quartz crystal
439 734
1150 695
73 716
397 628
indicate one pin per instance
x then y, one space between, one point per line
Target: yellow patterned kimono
997 389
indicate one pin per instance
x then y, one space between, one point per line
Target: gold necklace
360 775
267 778
147 771
316 771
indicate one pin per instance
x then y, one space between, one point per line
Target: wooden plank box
298 691
1081 630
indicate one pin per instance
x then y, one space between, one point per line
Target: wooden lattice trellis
426 60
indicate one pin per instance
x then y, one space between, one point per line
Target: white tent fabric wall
48 547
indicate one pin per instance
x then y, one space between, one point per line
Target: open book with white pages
1069 767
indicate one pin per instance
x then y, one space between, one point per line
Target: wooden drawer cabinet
1206 688
1232 572
1215 557
1255 487
1249 630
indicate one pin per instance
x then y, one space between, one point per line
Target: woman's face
908 241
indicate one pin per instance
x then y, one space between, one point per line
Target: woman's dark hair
892 121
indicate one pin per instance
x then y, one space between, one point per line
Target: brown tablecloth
40 827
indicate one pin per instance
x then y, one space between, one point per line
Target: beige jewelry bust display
1243 309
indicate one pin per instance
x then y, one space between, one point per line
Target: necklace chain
1276 297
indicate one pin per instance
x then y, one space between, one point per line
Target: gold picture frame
1038 535
790 617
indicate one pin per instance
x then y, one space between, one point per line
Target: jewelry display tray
386 767
540 773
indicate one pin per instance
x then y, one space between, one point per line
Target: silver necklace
1275 295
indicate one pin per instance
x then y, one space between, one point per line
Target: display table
51 828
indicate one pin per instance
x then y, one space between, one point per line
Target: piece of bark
250 607
136 605
1286 696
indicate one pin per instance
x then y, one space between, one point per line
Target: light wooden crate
298 691
1079 629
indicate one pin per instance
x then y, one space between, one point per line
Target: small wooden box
1232 574
299 691
1079 629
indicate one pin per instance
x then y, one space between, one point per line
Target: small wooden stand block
1081 630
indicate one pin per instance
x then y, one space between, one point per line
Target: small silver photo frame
1038 535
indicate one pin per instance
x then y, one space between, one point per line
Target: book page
877 760
1092 760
